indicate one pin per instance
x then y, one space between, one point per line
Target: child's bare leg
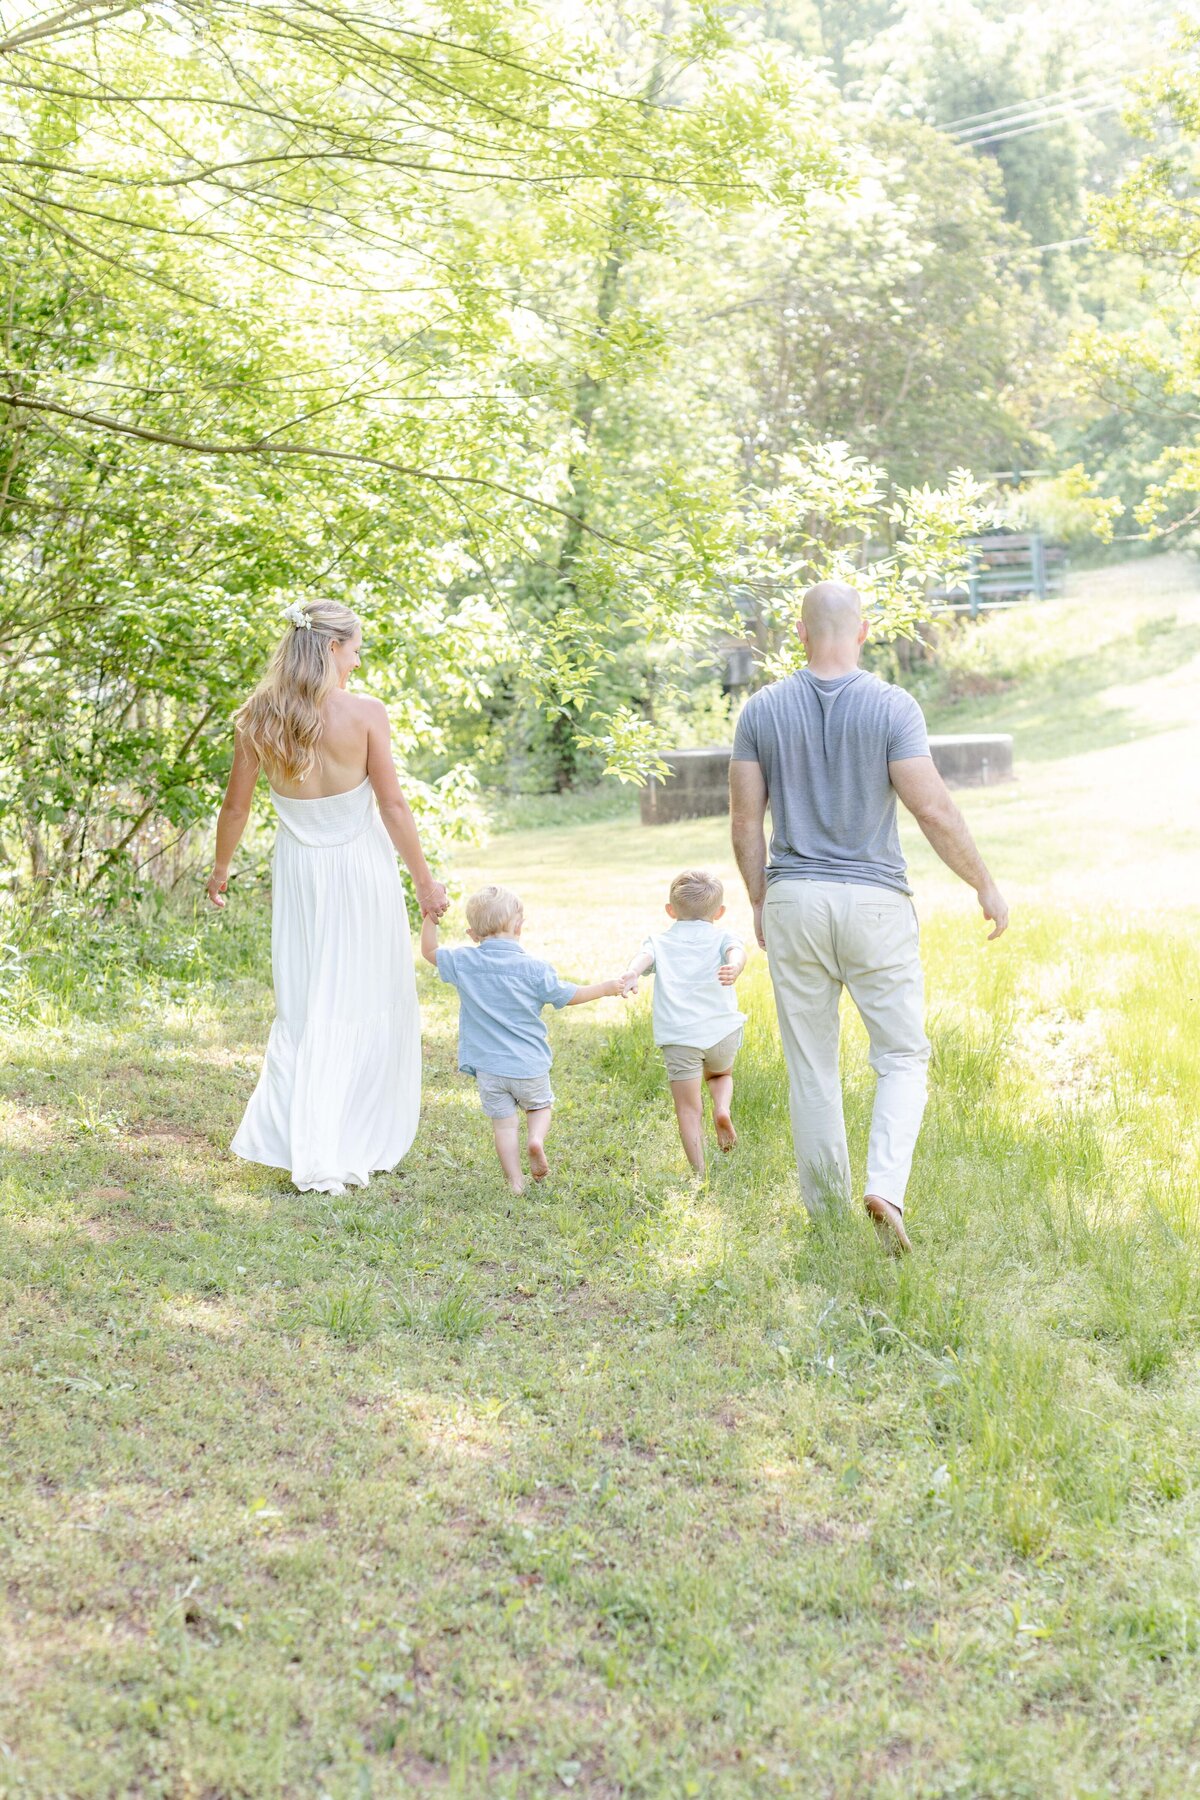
689 1112
508 1149
720 1088
537 1124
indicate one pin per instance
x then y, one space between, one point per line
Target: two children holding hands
502 1038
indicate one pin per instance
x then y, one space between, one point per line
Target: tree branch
265 447
84 12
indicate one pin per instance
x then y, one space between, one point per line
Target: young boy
696 1022
502 1040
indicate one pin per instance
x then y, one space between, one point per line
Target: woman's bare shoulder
353 712
358 706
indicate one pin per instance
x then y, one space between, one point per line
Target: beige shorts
500 1095
686 1063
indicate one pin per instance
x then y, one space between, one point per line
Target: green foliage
1147 373
903 325
317 303
820 518
1067 508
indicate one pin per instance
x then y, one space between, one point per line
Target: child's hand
615 987
728 973
629 984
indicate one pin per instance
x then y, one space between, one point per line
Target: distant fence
1005 568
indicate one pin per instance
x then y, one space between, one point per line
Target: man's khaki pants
822 936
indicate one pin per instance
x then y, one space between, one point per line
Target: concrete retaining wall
698 785
973 759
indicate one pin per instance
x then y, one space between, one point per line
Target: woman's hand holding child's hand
433 900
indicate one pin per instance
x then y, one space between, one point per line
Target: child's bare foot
726 1135
539 1168
518 1186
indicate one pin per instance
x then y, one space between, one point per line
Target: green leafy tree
1144 378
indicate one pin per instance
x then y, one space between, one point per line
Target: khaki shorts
686 1063
500 1095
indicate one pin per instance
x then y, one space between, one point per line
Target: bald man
829 749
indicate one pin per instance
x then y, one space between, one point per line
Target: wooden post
1037 564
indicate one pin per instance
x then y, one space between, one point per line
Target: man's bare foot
726 1135
888 1221
539 1168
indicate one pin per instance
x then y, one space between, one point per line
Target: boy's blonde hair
696 894
491 910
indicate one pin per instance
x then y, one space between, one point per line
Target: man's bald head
831 613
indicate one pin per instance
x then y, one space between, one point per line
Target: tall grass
632 1487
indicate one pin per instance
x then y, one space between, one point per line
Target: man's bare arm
747 816
928 799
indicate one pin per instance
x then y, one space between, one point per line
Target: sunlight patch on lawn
257 1202
24 1126
454 1430
200 1312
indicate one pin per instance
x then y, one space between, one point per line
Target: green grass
629 1487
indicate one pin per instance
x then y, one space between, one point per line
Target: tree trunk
589 394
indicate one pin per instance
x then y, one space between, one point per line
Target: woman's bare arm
231 820
396 813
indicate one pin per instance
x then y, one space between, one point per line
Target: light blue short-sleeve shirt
501 993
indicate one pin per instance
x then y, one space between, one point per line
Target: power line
1044 124
1110 91
1062 244
1079 88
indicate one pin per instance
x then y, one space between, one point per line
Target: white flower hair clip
295 615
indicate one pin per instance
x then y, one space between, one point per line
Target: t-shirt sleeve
547 987
730 941
649 950
445 966
907 733
745 737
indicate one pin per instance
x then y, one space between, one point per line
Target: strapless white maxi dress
340 1089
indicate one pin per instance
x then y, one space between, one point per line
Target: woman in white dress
340 1089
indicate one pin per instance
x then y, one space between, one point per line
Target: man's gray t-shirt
824 749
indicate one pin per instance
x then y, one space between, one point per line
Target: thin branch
262 447
60 24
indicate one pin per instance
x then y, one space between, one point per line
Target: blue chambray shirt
501 993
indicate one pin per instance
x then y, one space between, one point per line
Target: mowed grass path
634 1488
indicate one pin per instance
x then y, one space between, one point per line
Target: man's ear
864 631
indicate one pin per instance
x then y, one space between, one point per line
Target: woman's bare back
341 763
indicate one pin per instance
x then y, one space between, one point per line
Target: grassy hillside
634 1487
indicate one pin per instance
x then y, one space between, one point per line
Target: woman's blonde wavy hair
281 722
